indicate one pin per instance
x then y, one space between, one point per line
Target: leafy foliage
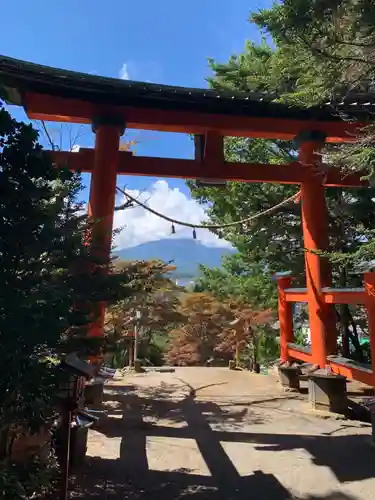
213 329
243 334
333 49
338 38
155 300
311 61
50 282
194 342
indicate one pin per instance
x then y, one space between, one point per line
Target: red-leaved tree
204 318
213 329
243 333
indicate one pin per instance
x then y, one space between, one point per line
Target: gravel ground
211 433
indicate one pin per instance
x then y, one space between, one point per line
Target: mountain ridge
185 254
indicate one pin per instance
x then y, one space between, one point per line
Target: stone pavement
211 433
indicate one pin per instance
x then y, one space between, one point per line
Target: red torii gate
112 105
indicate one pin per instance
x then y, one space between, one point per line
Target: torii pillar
108 130
322 317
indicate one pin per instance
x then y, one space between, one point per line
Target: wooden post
103 193
369 281
315 234
285 310
131 357
237 353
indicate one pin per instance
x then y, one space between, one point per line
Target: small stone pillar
289 376
138 366
94 393
327 392
369 406
373 426
232 364
78 447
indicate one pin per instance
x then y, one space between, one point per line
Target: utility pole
137 318
130 354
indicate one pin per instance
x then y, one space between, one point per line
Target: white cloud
140 226
124 72
146 71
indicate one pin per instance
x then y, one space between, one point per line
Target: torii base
289 377
94 393
78 448
327 392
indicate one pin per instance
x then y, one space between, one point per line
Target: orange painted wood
82 161
296 295
213 148
336 178
292 173
352 373
369 282
102 199
285 311
342 296
50 108
315 234
302 356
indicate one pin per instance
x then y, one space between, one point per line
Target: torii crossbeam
111 105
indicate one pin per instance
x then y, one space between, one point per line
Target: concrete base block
78 448
289 377
138 366
373 426
232 364
94 393
327 392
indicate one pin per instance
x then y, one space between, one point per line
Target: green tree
156 302
215 329
335 44
241 338
50 286
336 39
194 342
289 72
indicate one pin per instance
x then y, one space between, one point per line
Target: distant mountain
186 254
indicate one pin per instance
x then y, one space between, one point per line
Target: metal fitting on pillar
108 120
309 143
309 136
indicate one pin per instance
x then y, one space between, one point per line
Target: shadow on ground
129 476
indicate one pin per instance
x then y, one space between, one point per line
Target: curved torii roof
63 95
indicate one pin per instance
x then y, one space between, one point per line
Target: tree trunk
344 317
347 320
255 350
344 330
355 339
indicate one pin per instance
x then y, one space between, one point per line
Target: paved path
209 433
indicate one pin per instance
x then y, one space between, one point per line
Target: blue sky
161 41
